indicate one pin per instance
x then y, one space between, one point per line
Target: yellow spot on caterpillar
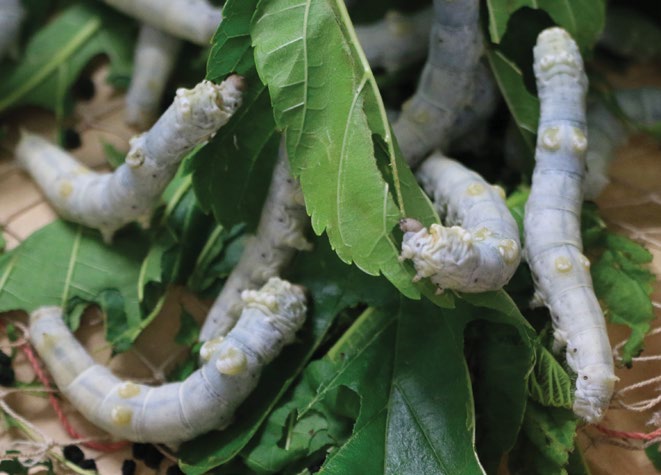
551 138
210 347
66 188
481 234
47 343
81 171
585 262
579 141
261 299
547 62
121 415
231 361
397 24
135 158
509 249
562 264
128 390
475 189
501 192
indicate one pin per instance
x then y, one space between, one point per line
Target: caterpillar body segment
455 48
280 233
108 201
396 41
155 56
465 131
608 132
552 223
11 17
479 250
174 412
192 20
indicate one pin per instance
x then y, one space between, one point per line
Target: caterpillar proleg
192 20
280 233
11 16
481 250
396 41
455 47
155 55
174 412
607 131
108 201
552 223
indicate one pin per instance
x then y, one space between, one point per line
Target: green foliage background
422 383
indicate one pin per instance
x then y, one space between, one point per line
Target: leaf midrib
91 27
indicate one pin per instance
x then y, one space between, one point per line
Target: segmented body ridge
553 246
174 412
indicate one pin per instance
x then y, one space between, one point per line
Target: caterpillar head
282 303
445 254
557 55
594 389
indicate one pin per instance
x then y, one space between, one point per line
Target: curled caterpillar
192 20
607 131
455 47
11 16
552 223
280 233
482 251
108 201
174 412
397 40
155 55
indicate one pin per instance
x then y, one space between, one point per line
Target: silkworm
608 132
553 246
396 41
465 132
174 412
155 55
481 249
108 201
11 16
192 20
455 47
279 234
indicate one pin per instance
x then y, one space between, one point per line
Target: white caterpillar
607 131
455 47
108 201
553 246
175 412
279 235
192 20
11 16
482 251
155 56
397 40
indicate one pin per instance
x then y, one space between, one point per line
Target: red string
645 436
36 366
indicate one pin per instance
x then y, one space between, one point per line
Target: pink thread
646 436
36 366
